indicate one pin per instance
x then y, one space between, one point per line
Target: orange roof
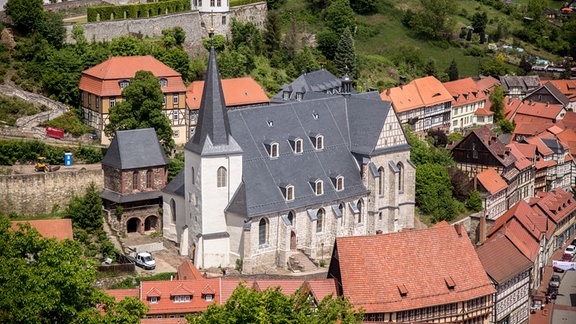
167 290
187 271
557 204
120 294
542 148
483 111
567 87
529 128
568 136
103 79
510 107
237 92
528 150
419 93
374 281
539 109
59 229
569 120
492 181
464 91
498 248
521 161
487 84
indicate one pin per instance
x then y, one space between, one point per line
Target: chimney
388 92
482 229
458 228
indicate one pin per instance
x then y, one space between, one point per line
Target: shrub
127 283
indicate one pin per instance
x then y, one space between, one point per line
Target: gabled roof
167 289
212 135
552 90
542 148
487 84
120 294
187 271
483 112
237 92
533 222
531 127
311 85
568 137
525 83
539 109
176 185
375 281
498 248
491 180
423 92
103 79
566 87
491 142
528 150
135 149
59 229
464 91
557 204
569 120
510 107
521 161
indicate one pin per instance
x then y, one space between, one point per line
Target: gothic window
361 211
135 180
149 179
222 175
289 192
274 150
173 210
319 187
381 181
262 232
400 167
319 220
298 145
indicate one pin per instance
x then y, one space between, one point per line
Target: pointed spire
212 134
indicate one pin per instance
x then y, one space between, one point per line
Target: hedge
12 151
138 10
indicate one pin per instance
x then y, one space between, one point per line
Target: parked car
570 249
566 257
556 269
554 281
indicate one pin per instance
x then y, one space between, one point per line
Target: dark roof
554 145
489 139
212 135
312 85
348 124
499 248
176 185
135 149
555 92
526 82
121 199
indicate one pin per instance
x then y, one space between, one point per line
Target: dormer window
319 187
163 82
273 149
182 299
208 297
286 95
339 183
299 96
154 300
289 192
318 142
296 144
124 83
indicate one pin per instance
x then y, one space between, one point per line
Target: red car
566 257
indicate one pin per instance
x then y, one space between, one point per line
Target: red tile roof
539 109
168 289
569 120
420 93
510 106
59 229
567 87
120 294
237 92
542 148
568 137
375 269
498 248
487 84
528 150
492 181
521 161
557 204
187 271
483 112
103 79
520 237
464 91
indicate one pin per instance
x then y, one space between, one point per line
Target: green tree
492 67
232 64
535 9
142 108
474 202
434 18
506 126
86 211
339 16
219 43
497 103
434 192
27 15
453 71
364 7
53 29
246 34
479 21
175 165
126 45
328 41
345 56
272 33
272 306
178 59
430 68
305 60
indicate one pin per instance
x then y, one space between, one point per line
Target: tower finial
211 33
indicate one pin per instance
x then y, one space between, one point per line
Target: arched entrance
150 223
132 225
292 240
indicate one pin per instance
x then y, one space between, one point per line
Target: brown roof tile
373 267
59 229
498 248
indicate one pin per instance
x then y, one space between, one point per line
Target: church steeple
212 135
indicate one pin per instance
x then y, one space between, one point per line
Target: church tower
213 172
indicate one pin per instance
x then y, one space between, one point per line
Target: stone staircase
299 262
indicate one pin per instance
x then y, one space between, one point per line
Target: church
261 183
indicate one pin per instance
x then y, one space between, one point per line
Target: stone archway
150 223
133 225
292 240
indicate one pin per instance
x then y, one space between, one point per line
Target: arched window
173 209
361 211
135 180
381 181
289 192
149 179
319 220
319 187
319 142
192 175
274 150
262 232
340 183
222 177
400 167
291 218
298 145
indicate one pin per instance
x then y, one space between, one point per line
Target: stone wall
36 194
194 23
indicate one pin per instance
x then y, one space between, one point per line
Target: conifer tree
272 33
345 57
453 71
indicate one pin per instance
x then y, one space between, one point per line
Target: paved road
564 308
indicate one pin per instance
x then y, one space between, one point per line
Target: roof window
402 290
273 149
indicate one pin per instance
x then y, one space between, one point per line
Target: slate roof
373 279
344 133
135 149
525 83
566 87
550 88
554 145
59 229
102 79
212 135
423 92
312 85
498 248
176 185
237 92
131 197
